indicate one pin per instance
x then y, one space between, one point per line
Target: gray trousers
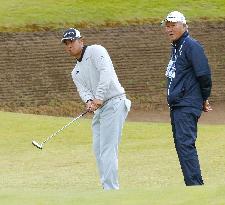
107 128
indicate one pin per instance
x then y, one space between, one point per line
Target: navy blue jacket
189 83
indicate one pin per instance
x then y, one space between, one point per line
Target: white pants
107 127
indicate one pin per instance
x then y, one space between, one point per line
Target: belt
123 95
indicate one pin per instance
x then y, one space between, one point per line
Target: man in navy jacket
188 89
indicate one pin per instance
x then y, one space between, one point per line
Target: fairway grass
64 172
22 15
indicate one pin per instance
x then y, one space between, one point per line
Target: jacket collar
179 41
82 53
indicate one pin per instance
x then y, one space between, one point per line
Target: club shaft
54 134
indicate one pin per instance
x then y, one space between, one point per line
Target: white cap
175 16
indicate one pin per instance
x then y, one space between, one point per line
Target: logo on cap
71 34
175 16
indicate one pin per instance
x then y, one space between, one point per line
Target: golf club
41 145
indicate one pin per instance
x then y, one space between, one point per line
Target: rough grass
53 108
23 15
64 172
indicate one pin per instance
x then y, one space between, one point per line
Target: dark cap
71 34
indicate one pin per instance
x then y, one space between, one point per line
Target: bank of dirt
216 116
36 70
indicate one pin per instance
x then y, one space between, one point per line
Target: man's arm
85 93
203 73
104 66
205 85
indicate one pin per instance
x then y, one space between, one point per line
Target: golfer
98 87
188 90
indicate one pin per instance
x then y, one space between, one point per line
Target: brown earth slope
35 70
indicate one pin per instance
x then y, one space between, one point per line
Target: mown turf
64 172
48 14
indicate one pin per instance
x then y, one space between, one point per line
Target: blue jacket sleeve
205 85
201 68
198 59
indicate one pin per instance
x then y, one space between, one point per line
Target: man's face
74 47
174 30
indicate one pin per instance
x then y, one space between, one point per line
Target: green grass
64 172
50 14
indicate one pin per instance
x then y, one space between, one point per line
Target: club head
39 146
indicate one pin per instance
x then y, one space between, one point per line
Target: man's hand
89 105
93 105
97 104
206 106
